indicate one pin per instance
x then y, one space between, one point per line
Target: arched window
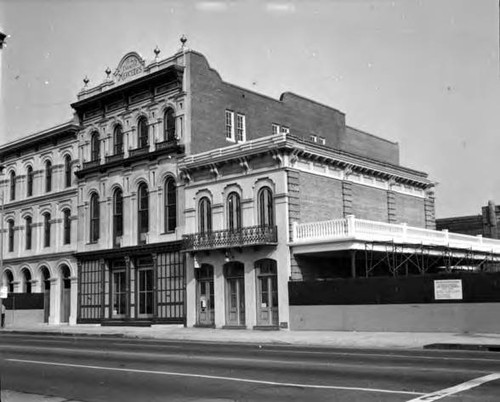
142 131
143 211
266 207
67 171
205 215
118 213
170 205
48 176
169 125
67 226
12 186
29 181
118 140
46 230
8 281
95 147
11 235
94 218
29 232
26 281
233 211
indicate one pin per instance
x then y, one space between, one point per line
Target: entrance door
205 294
145 293
267 298
235 294
119 294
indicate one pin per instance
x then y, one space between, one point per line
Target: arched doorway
234 272
267 292
205 294
65 293
46 293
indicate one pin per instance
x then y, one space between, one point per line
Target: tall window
46 230
94 218
12 186
229 125
205 215
67 226
27 281
142 130
241 132
118 140
48 176
266 207
170 205
143 211
118 213
67 171
95 147
11 235
29 232
29 181
233 211
169 125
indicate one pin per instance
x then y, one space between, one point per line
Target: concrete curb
463 346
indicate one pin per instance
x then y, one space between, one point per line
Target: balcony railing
116 157
168 144
365 230
244 237
139 151
91 164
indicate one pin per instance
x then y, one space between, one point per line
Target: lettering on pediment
130 65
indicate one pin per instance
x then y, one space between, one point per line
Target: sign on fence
3 292
448 289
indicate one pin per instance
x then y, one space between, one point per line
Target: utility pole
3 36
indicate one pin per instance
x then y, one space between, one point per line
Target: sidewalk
336 339
13 396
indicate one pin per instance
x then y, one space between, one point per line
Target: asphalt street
104 369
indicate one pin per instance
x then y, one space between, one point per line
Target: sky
424 73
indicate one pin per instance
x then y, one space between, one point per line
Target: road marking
434 396
214 377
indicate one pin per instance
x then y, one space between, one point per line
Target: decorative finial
86 81
183 41
108 72
156 52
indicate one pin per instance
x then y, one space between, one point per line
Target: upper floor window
142 130
67 226
205 215
169 125
94 218
322 140
12 186
29 232
67 171
241 131
48 176
275 129
46 230
29 181
285 130
170 205
95 147
143 211
11 235
229 125
266 207
118 140
118 213
313 138
233 211
9 281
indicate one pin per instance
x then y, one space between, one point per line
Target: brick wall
370 146
410 210
369 203
320 198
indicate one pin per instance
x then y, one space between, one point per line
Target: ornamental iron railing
243 237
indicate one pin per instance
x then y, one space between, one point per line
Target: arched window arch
12 186
169 125
170 205
29 181
26 281
143 211
118 140
94 217
67 171
266 207
48 176
66 226
205 215
8 280
118 213
46 229
95 147
142 132
29 232
233 211
10 224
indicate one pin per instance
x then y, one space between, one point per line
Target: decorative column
73 312
55 301
155 285
127 286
